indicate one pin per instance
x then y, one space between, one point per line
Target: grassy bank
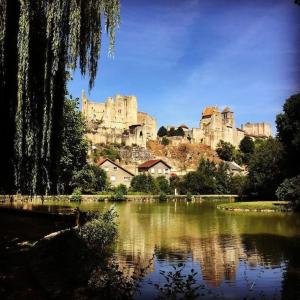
264 206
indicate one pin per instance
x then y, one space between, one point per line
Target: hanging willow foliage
40 40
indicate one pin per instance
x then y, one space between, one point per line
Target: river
236 255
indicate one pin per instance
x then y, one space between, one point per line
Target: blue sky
178 56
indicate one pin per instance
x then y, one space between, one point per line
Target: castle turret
228 118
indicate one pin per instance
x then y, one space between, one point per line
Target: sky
179 56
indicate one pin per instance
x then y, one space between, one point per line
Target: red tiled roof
150 163
102 161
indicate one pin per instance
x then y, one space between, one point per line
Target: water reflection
236 255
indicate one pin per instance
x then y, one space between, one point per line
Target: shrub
162 131
120 192
162 197
225 150
100 231
144 183
289 190
163 184
165 141
76 195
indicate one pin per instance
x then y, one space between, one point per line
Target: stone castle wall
118 121
257 129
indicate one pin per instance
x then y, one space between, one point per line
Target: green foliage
189 197
74 146
90 179
144 183
288 127
111 153
265 172
177 285
171 132
39 41
162 197
289 190
162 131
100 231
197 183
76 195
165 141
247 145
225 150
239 184
163 184
119 192
223 179
179 132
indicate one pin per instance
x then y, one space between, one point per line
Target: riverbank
109 197
256 206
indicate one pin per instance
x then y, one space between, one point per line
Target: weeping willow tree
40 41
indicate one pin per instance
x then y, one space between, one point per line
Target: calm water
236 255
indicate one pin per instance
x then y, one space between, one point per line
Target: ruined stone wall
149 124
257 129
118 121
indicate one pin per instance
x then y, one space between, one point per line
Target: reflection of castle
172 237
118 121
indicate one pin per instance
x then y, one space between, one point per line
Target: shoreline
256 206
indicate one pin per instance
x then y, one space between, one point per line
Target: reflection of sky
257 282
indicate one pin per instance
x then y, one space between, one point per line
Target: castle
216 125
118 121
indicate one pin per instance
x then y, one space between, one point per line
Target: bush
162 197
120 192
165 141
225 150
289 190
76 195
144 183
162 131
163 184
100 231
90 179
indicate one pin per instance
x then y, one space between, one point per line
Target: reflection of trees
218 240
274 250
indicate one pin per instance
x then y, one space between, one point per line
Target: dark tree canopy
225 150
162 131
247 145
288 127
40 40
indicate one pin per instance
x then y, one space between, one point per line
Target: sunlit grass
256 205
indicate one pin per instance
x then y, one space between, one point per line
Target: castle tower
228 118
84 104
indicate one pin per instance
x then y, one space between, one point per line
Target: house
116 173
155 167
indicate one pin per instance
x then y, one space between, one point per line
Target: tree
223 179
171 131
247 147
90 179
206 167
163 184
165 141
265 171
74 146
289 190
39 41
162 131
179 132
144 183
288 127
197 183
225 150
